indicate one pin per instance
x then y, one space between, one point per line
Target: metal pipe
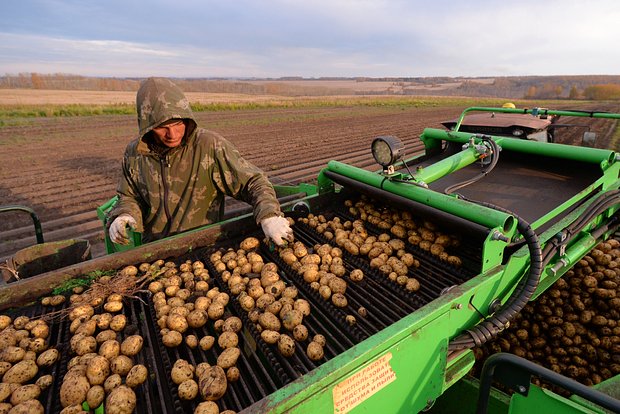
598 156
522 369
535 112
481 215
449 220
446 166
38 231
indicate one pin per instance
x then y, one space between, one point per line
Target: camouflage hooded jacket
171 190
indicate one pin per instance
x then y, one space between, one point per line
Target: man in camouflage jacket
175 175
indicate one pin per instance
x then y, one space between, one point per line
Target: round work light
386 150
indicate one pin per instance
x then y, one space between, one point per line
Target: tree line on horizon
590 87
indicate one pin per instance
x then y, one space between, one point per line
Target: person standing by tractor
176 175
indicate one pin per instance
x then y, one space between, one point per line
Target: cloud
312 38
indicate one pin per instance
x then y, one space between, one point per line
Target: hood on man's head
159 100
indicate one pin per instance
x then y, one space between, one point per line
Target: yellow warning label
360 386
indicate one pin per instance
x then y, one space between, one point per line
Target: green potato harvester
525 212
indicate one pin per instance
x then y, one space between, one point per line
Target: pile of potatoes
103 366
275 308
385 253
184 303
401 224
573 328
209 381
24 358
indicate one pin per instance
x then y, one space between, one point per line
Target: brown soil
64 168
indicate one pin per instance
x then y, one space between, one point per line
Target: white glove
277 229
118 231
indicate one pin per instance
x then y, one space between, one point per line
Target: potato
40 330
110 349
215 310
213 383
269 321
181 371
113 306
81 311
12 354
28 407
232 324
112 382
177 322
286 345
48 358
300 333
4 367
5 321
197 318
118 322
188 389
25 393
269 336
106 335
136 375
250 243
95 396
228 357
122 400
121 365
172 339
206 342
228 339
207 407
191 341
356 275
5 407
103 321
315 351
339 300
97 370
44 381
21 372
233 374
6 390
73 390
291 318
132 345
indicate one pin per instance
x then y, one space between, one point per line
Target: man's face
170 133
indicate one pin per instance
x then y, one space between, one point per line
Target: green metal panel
540 400
462 398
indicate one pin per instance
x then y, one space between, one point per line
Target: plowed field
64 168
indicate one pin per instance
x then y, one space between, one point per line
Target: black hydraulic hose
603 203
493 325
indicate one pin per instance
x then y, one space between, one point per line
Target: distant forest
590 87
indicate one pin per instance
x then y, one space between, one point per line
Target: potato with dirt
73 390
121 400
213 383
21 373
132 345
136 375
98 370
95 396
188 390
228 357
28 407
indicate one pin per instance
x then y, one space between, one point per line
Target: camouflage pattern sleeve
128 199
238 178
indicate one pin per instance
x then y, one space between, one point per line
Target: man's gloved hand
277 229
118 231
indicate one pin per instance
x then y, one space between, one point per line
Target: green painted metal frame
413 352
418 342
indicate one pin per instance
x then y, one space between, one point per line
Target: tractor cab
508 121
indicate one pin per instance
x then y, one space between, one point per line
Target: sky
310 38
